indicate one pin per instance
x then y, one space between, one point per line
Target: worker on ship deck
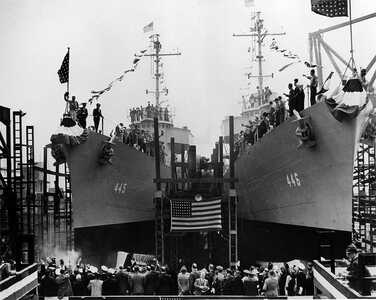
97 115
312 86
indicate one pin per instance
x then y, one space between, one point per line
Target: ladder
30 179
17 167
68 209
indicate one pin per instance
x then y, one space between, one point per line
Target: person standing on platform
270 287
299 95
282 110
82 114
290 286
183 281
165 282
95 286
308 283
237 287
312 86
97 115
282 281
151 282
64 287
123 279
201 285
193 276
250 283
137 282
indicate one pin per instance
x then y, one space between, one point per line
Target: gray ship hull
288 194
112 204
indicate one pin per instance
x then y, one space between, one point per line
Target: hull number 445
120 187
293 180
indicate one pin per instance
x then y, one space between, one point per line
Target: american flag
330 8
190 215
64 69
149 27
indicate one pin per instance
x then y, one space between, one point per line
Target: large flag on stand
149 27
330 8
191 215
64 69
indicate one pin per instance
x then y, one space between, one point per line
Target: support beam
346 63
331 58
344 24
372 62
372 80
318 61
319 67
310 48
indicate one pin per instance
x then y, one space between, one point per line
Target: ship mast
157 47
260 33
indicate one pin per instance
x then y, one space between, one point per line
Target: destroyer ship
291 190
112 181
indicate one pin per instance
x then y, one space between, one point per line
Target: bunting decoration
95 94
274 46
288 65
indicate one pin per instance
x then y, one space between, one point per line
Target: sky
204 83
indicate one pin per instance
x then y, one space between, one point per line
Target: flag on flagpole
330 8
149 27
63 72
191 215
249 3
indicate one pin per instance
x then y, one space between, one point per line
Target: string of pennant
274 46
95 95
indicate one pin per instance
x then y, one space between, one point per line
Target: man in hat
64 287
299 95
82 115
97 115
291 99
137 282
195 274
210 275
151 281
183 281
353 269
95 285
165 282
250 282
218 281
312 86
308 283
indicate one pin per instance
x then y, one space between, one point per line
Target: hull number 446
293 180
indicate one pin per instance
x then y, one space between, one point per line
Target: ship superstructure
254 104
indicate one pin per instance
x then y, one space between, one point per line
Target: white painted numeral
293 180
120 187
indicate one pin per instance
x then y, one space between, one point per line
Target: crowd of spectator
279 111
56 279
137 138
139 113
